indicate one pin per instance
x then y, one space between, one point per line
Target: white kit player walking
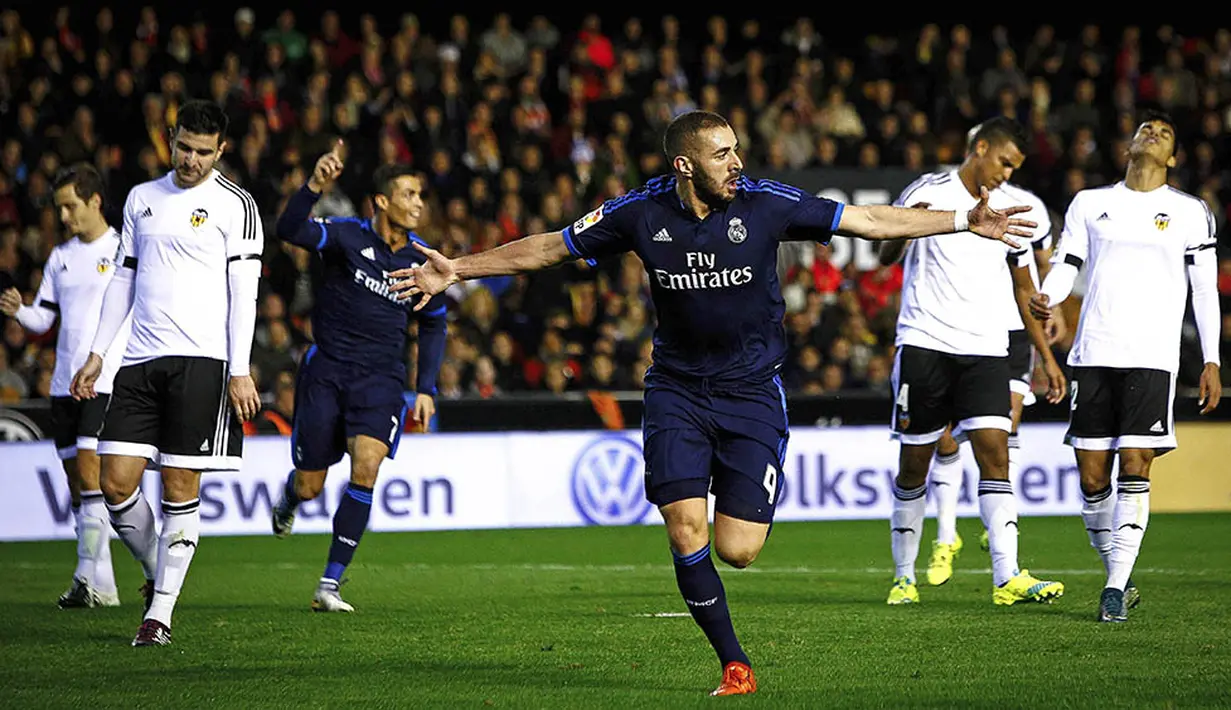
1141 243
189 265
74 278
951 368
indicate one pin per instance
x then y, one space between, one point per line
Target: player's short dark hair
683 130
386 175
998 130
1153 114
85 179
203 118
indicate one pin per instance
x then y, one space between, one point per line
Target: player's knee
364 473
1135 464
117 489
913 465
309 484
737 554
688 535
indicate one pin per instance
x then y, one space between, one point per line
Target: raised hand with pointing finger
327 170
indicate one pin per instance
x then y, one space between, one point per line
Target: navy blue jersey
714 281
356 319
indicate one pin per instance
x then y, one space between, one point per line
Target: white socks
134 523
94 543
906 525
181 530
998 509
946 480
1097 509
1132 514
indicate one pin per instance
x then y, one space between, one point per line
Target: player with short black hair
188 269
951 369
349 390
1142 243
74 278
715 410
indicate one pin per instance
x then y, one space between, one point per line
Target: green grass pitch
590 618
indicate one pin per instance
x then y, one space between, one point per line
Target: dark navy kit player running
715 412
349 390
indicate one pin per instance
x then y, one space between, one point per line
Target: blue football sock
349 522
289 493
707 602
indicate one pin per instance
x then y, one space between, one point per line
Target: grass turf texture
570 618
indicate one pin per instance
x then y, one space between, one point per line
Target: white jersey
1133 245
954 285
74 280
179 242
1041 241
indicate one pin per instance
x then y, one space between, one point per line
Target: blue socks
349 522
707 602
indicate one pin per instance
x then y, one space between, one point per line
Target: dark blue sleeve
296 226
432 331
794 214
609 230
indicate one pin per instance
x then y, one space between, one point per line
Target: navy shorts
335 402
729 442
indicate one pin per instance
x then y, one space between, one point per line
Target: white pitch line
658 568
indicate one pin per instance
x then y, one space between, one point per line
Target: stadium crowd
521 127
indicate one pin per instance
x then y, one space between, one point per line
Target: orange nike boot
737 679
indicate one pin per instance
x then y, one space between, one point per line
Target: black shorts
76 424
935 389
1021 365
175 408
1120 408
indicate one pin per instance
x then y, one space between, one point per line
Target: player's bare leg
687 524
93 580
300 485
350 520
998 509
130 512
906 521
945 481
177 544
1129 519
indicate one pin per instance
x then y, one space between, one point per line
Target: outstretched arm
530 253
887 222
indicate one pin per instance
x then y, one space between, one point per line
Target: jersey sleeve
609 230
246 234
47 297
126 251
1074 246
1198 240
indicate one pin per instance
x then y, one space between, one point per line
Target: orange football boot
737 679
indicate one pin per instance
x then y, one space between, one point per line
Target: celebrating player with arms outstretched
715 410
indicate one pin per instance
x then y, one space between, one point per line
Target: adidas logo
369 252
1102 217
205 445
662 236
1158 427
147 213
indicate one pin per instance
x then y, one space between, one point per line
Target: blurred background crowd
522 124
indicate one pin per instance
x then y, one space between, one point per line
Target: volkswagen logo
609 483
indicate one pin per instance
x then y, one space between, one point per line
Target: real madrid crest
198 217
736 231
103 264
1161 220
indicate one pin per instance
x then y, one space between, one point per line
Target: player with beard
715 410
